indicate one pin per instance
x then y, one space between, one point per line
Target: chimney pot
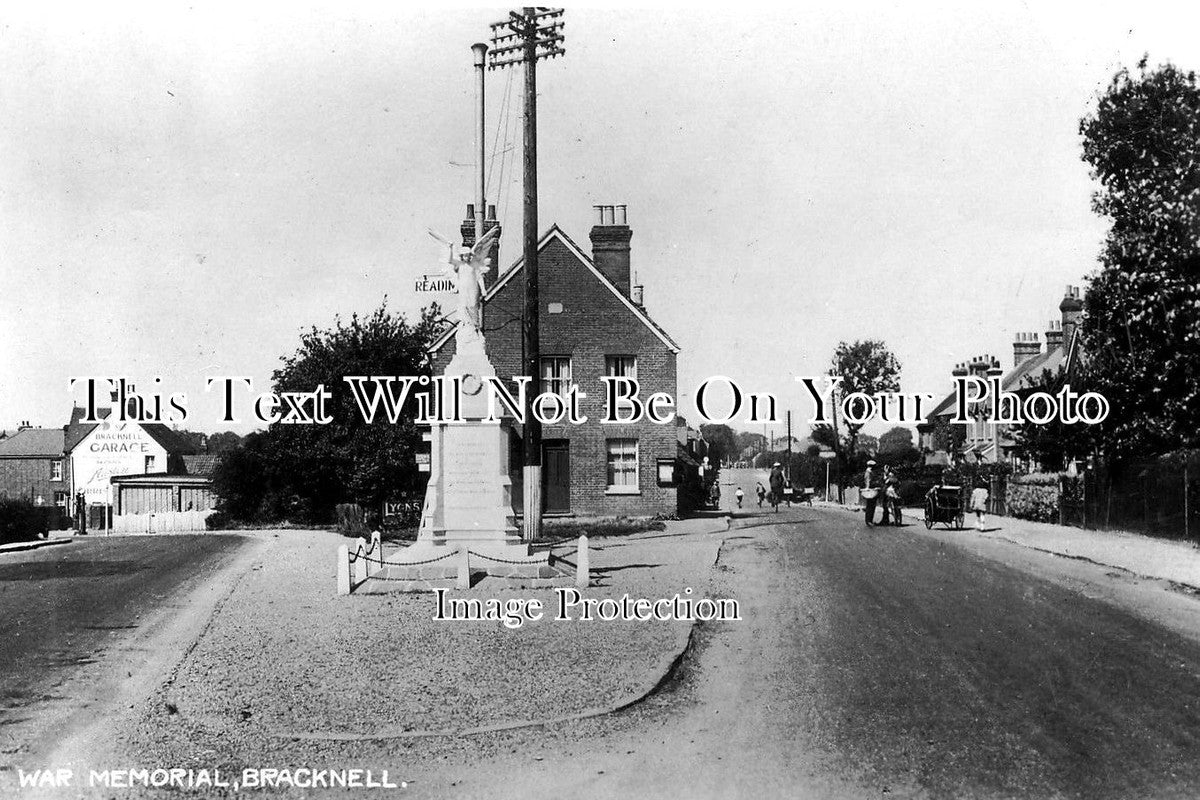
610 246
467 231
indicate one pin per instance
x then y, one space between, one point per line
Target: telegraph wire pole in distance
532 34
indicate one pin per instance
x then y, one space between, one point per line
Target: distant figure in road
891 497
776 481
979 500
739 494
870 493
761 491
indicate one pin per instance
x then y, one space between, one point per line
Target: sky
184 189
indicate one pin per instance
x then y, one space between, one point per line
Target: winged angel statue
468 265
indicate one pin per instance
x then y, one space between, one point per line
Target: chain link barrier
504 560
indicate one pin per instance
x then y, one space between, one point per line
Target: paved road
891 663
63 607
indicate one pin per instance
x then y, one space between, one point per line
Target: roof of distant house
33 443
200 464
1025 375
170 441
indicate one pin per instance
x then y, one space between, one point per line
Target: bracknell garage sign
120 448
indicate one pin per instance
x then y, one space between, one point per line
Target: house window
622 465
149 464
621 366
56 469
556 375
60 500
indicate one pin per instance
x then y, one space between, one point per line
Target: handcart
944 504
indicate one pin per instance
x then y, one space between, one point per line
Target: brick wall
593 324
19 475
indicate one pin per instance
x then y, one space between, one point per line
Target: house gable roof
170 441
552 234
33 443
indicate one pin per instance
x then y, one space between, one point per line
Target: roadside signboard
430 284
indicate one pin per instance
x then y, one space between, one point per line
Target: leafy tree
722 442
1141 327
823 435
214 444
865 366
303 471
897 438
1054 443
750 444
896 447
221 442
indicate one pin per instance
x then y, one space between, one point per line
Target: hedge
1036 497
20 521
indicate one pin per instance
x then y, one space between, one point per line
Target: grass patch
553 529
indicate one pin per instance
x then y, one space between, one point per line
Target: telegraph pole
533 33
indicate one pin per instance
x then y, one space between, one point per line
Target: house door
556 475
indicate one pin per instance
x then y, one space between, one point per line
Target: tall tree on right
1141 327
866 366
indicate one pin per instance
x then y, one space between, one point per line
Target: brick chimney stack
610 245
1025 347
1072 309
1054 335
468 239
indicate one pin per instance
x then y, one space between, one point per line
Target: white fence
166 522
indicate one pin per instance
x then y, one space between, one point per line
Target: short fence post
377 547
343 570
463 580
582 568
360 560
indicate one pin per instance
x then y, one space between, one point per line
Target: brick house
33 466
942 441
98 452
592 323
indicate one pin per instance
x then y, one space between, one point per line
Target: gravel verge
287 672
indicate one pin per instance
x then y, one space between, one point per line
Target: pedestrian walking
891 496
776 481
979 500
883 499
761 491
739 494
870 492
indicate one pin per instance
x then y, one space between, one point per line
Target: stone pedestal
468 501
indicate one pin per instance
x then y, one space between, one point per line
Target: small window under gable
621 366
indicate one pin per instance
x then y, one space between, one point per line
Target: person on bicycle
776 481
